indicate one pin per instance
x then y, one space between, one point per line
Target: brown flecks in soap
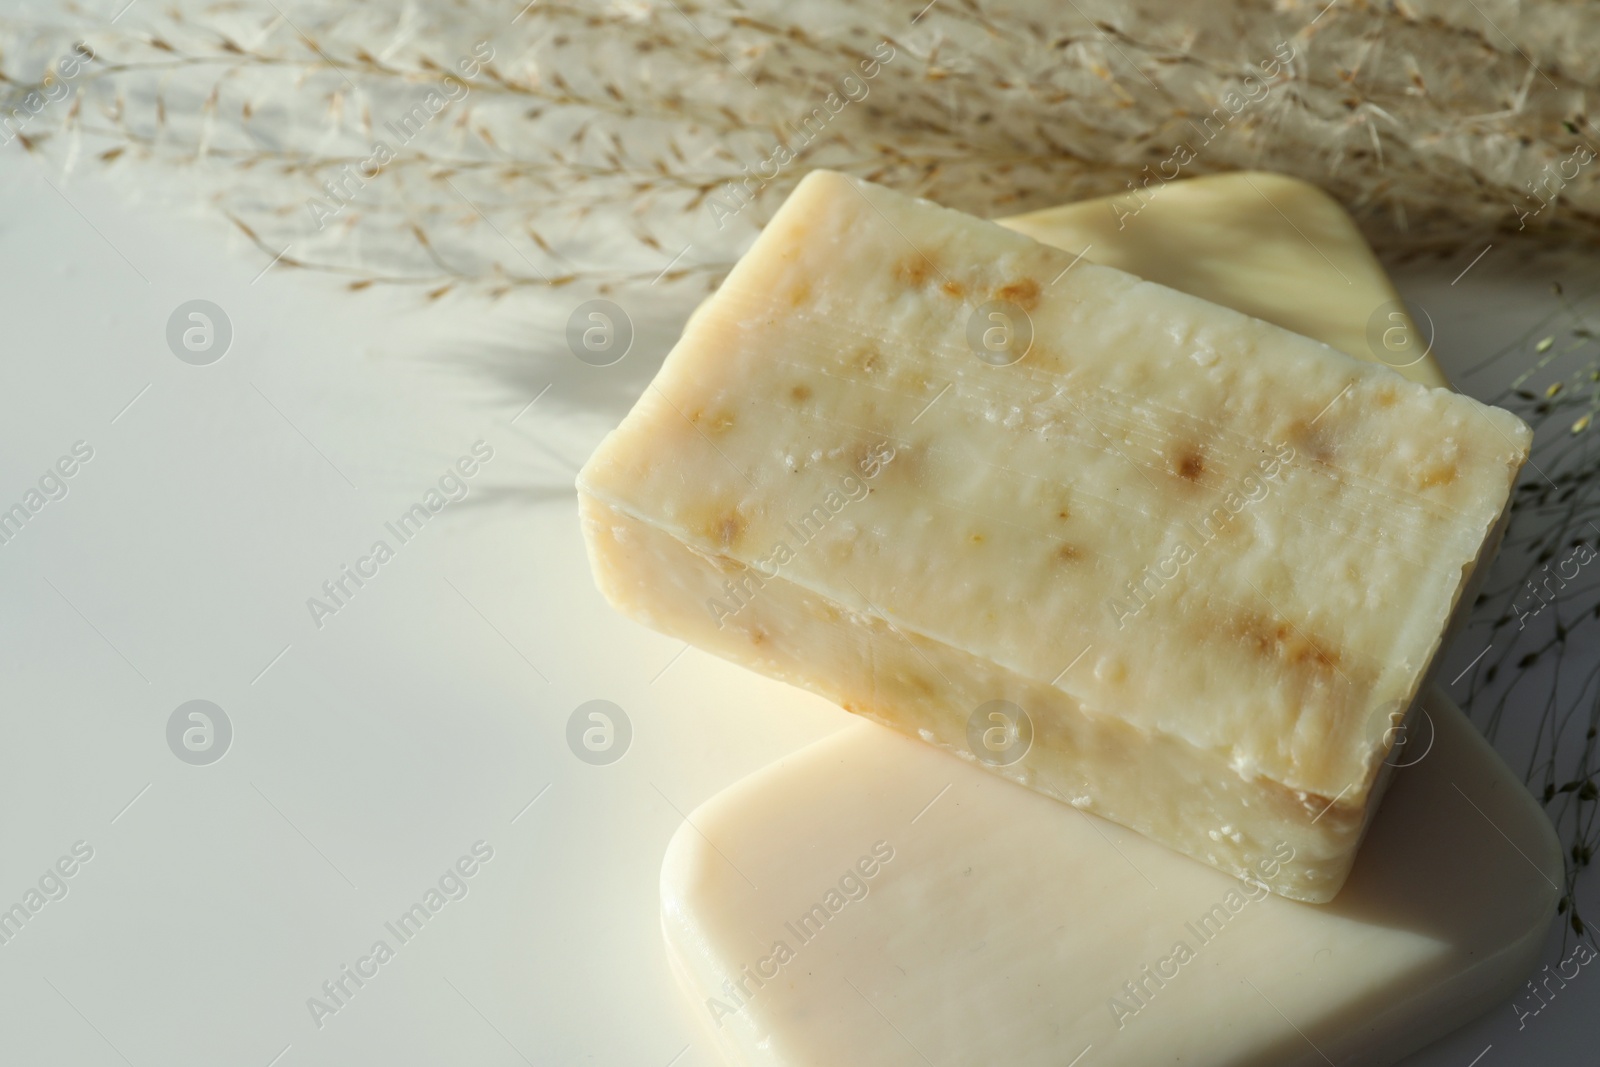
800 393
914 270
1320 804
1277 639
1436 474
726 529
758 636
955 289
1024 293
869 359
1067 553
1314 437
1189 464
1338 810
800 294
976 538
906 466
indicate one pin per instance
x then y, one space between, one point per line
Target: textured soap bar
910 910
1197 564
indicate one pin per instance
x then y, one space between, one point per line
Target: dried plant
1541 608
593 144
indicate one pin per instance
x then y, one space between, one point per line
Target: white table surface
370 754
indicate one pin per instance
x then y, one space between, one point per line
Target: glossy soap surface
1009 928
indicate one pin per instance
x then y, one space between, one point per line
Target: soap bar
1266 244
903 908
1169 563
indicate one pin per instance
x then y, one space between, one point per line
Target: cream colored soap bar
1174 565
908 909
1265 244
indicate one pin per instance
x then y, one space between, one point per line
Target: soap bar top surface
1197 543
